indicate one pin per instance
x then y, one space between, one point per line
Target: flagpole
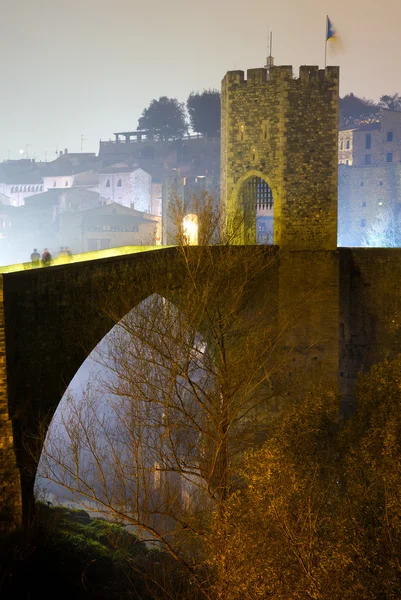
325 41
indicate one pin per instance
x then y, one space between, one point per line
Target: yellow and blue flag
331 33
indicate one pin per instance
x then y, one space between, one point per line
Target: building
184 185
108 226
20 179
369 205
376 143
66 199
166 161
127 184
369 186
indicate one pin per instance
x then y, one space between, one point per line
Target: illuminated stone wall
285 131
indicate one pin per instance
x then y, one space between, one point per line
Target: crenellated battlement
307 73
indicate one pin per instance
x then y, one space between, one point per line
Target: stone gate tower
279 150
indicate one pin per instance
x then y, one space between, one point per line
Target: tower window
368 141
119 183
389 136
265 131
347 144
389 157
341 145
66 184
108 183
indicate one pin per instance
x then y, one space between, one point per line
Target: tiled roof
14 175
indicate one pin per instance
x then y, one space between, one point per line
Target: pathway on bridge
82 257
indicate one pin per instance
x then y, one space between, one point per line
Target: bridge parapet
82 257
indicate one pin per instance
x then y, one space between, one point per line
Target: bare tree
191 380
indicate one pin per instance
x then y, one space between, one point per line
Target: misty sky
90 66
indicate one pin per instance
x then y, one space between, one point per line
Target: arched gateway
256 201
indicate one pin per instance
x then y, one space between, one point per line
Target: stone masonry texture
284 130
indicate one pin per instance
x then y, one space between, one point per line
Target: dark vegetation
355 110
204 112
167 118
68 554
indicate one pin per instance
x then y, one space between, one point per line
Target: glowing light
190 226
21 152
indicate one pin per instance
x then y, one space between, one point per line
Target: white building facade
131 187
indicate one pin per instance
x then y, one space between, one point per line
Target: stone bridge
52 318
279 153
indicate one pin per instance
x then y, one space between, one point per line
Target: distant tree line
167 118
355 110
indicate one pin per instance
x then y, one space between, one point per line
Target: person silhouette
35 257
46 257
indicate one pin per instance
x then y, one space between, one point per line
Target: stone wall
370 311
308 308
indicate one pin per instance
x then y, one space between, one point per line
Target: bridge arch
53 318
254 200
128 362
